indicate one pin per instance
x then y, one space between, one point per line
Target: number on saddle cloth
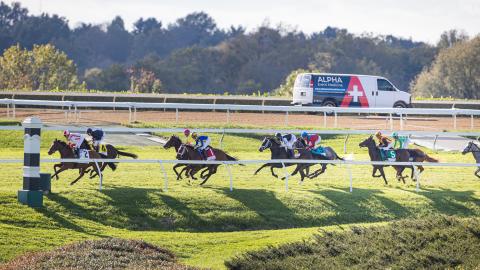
83 154
210 154
388 155
102 149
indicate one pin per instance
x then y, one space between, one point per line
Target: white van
346 90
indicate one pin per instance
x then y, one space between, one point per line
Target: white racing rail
347 163
74 106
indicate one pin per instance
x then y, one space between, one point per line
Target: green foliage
43 68
455 72
433 243
100 254
286 89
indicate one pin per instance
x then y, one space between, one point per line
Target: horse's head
174 141
266 143
182 152
56 145
300 144
368 142
470 147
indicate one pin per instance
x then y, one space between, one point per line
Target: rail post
454 121
336 120
31 193
8 110
230 175
165 178
286 176
14 113
349 169
135 114
286 118
345 144
176 116
129 114
324 119
391 122
417 177
228 116
471 121
435 143
401 122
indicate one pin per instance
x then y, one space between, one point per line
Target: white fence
75 106
347 164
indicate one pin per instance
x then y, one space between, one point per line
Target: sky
421 20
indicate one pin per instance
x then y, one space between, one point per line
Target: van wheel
329 103
400 105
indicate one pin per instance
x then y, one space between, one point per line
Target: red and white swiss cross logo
355 95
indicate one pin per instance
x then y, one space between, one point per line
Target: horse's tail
121 153
230 158
430 159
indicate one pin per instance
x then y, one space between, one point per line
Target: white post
286 176
8 110
335 125
471 121
176 115
454 121
345 144
435 143
349 169
401 122
76 114
129 114
263 104
99 175
230 175
286 118
324 119
417 177
14 113
135 114
165 178
228 116
391 122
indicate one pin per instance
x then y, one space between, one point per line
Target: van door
385 94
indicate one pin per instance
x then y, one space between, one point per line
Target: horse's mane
64 144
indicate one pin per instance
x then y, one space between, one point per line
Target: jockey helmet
89 131
186 132
395 135
66 133
278 135
194 135
378 134
304 134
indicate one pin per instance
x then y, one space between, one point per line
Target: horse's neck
66 152
278 152
373 152
476 153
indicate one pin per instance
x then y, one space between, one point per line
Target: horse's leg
383 175
399 170
211 171
476 172
57 172
375 168
261 167
176 172
273 173
82 172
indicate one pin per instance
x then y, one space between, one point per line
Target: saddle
319 151
208 154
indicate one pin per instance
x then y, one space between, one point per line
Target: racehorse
67 152
330 154
175 142
112 153
187 152
475 150
278 152
401 155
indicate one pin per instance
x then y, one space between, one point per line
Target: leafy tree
16 69
114 78
144 81
455 72
451 37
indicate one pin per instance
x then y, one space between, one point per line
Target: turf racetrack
204 226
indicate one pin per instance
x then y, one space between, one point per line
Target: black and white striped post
31 193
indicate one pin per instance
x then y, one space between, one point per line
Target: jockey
312 140
287 141
401 142
186 132
201 143
97 136
76 141
384 142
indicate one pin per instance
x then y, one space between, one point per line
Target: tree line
194 55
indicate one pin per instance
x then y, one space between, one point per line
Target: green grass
204 226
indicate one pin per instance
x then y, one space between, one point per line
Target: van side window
384 85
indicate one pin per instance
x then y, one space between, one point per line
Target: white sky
422 20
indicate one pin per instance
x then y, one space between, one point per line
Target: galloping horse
187 152
330 154
279 152
112 153
475 150
401 155
176 143
66 152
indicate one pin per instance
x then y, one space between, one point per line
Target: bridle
267 143
181 151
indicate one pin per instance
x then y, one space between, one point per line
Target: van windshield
303 81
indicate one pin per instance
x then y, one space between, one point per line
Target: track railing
74 106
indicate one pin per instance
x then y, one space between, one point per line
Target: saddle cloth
210 154
102 149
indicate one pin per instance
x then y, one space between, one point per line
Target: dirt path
108 117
